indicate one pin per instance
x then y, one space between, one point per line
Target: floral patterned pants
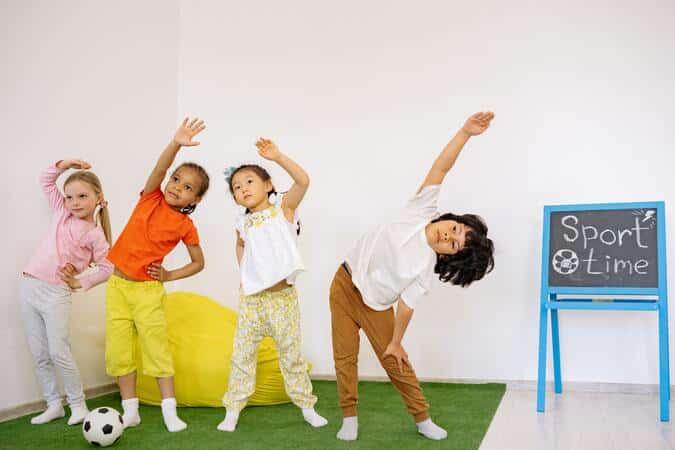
274 314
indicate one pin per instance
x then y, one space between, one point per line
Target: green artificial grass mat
464 410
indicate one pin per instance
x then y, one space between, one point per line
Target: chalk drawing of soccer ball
103 427
565 261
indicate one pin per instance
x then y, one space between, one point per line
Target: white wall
365 95
84 79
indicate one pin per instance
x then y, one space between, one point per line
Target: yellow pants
134 308
274 314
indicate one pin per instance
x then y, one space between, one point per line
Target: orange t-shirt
153 230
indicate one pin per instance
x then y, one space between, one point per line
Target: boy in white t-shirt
394 264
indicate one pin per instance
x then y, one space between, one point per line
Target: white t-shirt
270 248
395 259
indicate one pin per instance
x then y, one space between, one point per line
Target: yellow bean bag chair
201 335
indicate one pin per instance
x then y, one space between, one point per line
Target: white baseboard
584 386
34 407
531 385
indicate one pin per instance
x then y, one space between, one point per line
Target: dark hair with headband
261 172
203 186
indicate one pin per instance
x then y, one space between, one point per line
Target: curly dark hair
203 186
474 261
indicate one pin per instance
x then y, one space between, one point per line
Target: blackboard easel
610 249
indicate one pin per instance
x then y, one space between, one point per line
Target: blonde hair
103 216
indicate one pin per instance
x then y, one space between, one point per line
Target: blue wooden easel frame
549 301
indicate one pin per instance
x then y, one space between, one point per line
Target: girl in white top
269 262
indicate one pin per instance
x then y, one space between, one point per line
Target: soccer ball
103 427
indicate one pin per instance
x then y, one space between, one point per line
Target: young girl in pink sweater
73 243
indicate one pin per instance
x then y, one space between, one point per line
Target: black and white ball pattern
565 261
103 426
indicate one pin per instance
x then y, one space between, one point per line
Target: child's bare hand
478 123
398 352
67 274
74 164
157 272
187 130
268 149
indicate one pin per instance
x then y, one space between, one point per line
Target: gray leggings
45 309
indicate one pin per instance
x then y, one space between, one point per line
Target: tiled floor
579 421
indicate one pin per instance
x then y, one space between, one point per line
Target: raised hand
478 123
268 149
73 164
67 274
187 130
157 272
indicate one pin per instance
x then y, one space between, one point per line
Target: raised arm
49 176
474 125
268 150
182 138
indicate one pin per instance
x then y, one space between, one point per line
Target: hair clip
228 172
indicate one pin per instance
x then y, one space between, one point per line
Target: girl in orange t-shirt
135 291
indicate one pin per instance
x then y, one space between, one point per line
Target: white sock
313 418
431 430
230 421
349 430
131 417
171 419
77 413
53 411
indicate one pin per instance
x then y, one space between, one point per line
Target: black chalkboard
603 248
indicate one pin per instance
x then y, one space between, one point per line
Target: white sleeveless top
270 248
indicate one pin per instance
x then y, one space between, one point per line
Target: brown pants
348 314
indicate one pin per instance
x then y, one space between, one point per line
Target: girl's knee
62 358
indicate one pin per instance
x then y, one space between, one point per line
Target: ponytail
104 221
